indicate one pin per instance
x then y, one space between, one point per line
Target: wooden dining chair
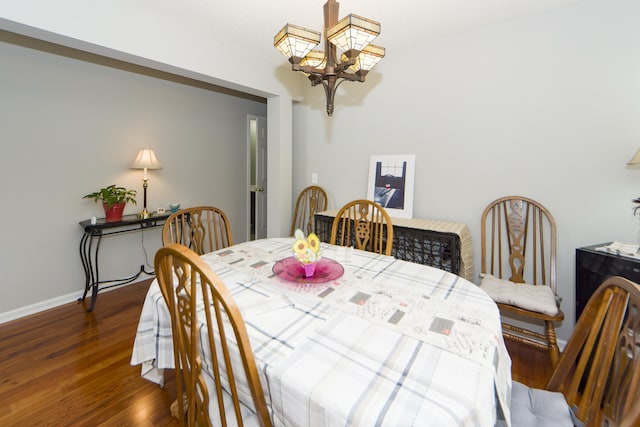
365 225
597 380
518 269
188 283
203 229
310 200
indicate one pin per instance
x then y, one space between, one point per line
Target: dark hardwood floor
529 365
68 367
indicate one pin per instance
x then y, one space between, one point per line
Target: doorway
257 142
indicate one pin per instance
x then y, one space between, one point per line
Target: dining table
368 340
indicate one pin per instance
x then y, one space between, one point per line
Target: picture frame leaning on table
391 183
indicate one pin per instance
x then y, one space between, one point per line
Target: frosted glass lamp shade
368 58
315 59
296 42
353 32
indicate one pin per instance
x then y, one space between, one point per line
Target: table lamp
146 159
635 160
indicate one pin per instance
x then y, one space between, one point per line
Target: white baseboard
46 305
38 307
562 344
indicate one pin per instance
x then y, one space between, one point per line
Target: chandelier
352 35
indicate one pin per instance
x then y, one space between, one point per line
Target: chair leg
175 412
175 408
554 351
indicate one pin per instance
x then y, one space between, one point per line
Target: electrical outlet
314 178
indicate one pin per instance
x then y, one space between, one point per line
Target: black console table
90 247
440 244
595 266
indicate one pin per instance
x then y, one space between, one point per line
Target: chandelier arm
307 69
351 56
315 79
339 82
352 77
330 86
329 91
340 67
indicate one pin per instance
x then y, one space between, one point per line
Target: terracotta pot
115 212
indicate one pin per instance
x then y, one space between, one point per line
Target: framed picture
391 183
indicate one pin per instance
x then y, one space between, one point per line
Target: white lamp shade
353 32
315 59
146 159
296 42
368 58
635 160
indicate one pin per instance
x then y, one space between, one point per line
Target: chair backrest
203 229
187 283
364 225
599 370
518 241
311 200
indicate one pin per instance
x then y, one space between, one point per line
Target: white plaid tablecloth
389 343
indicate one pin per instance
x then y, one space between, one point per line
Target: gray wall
547 106
70 125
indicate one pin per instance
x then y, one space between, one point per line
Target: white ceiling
403 21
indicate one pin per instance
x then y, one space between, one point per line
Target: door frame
251 151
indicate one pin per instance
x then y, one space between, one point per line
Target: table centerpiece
307 251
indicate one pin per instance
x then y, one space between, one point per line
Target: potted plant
113 199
